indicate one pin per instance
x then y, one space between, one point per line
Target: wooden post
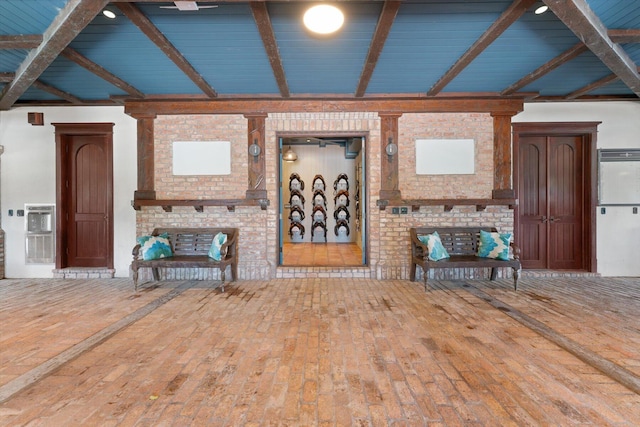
389 163
256 128
502 165
146 158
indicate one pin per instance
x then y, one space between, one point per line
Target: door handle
552 219
544 219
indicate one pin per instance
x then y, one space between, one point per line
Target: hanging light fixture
290 155
323 19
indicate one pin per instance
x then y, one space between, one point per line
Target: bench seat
461 244
190 250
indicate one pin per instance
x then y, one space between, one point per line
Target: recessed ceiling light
542 9
109 14
323 19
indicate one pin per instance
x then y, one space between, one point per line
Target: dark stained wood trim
65 27
581 20
595 85
389 164
398 106
385 21
589 132
146 157
563 58
508 17
256 125
198 205
624 35
96 69
22 41
62 131
448 204
263 21
7 77
57 92
145 25
502 164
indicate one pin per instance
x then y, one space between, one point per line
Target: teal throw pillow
494 245
434 244
155 247
215 250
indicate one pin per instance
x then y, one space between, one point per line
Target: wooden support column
146 162
389 163
502 165
256 134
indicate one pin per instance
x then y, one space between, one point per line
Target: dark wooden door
554 188
86 197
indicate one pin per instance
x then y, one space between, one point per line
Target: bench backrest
456 240
194 241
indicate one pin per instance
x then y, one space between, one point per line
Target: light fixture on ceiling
323 19
187 6
542 9
290 155
109 14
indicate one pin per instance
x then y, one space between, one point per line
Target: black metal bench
462 245
190 250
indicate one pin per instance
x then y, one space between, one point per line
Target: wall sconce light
391 148
254 149
290 155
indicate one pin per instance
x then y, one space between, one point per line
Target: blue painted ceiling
226 47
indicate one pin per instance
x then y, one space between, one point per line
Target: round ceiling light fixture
109 14
542 9
323 19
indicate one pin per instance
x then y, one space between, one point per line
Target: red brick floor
321 254
318 352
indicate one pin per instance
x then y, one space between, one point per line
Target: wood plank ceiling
59 52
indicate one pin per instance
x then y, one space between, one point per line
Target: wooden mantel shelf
199 205
448 204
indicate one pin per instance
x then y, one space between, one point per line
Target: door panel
89 209
551 186
565 202
533 202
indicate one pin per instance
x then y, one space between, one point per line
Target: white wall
618 231
29 176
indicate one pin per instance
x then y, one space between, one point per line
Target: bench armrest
229 247
516 251
418 248
136 251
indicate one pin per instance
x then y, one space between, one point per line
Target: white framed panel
202 158
445 156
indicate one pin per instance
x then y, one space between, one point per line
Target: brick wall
387 233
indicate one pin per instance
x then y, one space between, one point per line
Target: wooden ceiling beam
57 92
71 20
385 21
624 36
278 105
145 25
581 20
7 77
23 41
263 21
508 17
96 69
563 58
593 86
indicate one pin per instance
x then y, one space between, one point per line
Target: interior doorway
84 199
554 177
322 200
